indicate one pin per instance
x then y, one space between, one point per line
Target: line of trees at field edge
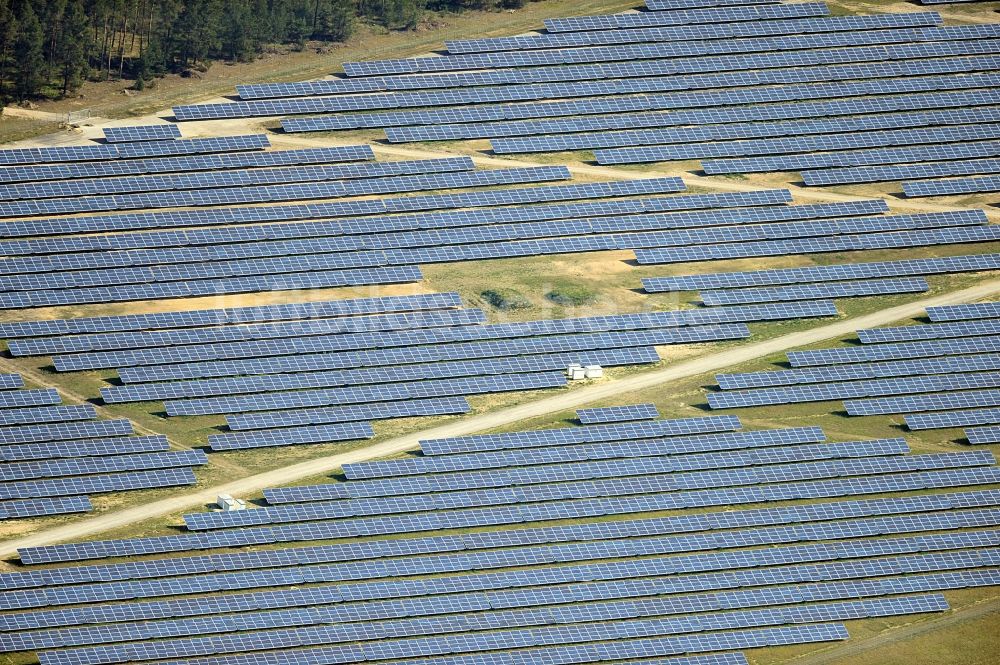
49 47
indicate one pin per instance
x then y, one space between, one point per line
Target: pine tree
29 55
8 35
72 52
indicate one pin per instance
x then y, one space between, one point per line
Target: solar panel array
623 71
130 133
612 414
641 586
320 372
54 455
940 374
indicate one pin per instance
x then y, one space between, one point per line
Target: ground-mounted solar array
742 87
638 583
318 372
618 532
55 454
942 374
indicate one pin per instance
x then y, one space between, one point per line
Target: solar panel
291 436
232 315
618 506
505 197
604 53
35 173
983 435
920 421
629 35
47 414
579 452
946 365
64 431
362 394
965 311
701 15
933 331
292 192
93 484
90 465
936 402
231 333
831 391
207 287
952 186
799 144
928 266
133 150
612 414
436 406
141 133
843 289
84 448
231 178
899 350
60 505
893 173
371 376
585 140
614 118
11 381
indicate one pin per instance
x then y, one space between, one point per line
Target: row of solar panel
508 616
914 55
582 553
840 243
926 102
748 523
756 206
130 133
931 331
893 173
235 386
384 205
507 636
230 178
892 351
505 98
432 340
952 151
681 211
286 326
261 349
231 315
291 192
206 287
503 516
690 32
13 156
613 414
473 244
952 187
872 370
125 167
232 333
361 471
933 402
639 51
928 266
524 495
394 247
60 505
842 390
721 132
651 458
848 289
698 12
803 144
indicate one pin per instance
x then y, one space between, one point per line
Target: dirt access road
558 403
